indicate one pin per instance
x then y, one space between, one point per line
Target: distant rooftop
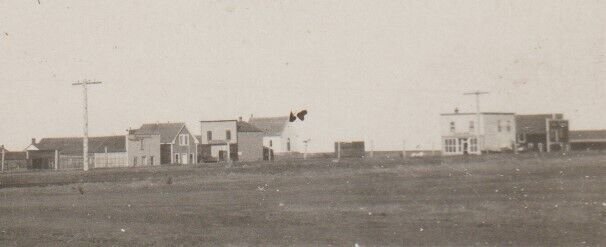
272 126
587 135
481 113
167 131
73 145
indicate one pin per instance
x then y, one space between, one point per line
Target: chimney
240 118
251 117
456 110
33 140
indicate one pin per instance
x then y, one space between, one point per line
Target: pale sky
365 70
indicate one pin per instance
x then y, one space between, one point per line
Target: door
184 159
464 145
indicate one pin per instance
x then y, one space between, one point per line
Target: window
508 126
271 143
141 144
522 138
473 145
143 160
176 158
209 135
228 135
191 158
135 161
472 126
184 139
450 145
288 145
499 127
151 160
452 126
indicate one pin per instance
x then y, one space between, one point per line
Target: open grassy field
523 200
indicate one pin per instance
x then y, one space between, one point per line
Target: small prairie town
298 123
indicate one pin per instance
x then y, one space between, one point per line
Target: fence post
338 150
372 148
3 158
403 149
56 160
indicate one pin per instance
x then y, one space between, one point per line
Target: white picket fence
97 160
110 160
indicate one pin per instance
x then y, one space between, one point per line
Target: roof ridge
276 117
77 137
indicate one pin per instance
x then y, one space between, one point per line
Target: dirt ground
493 200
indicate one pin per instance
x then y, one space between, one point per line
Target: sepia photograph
303 123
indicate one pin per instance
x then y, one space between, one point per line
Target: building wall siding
276 143
290 131
250 146
151 148
490 137
189 150
218 130
165 154
495 140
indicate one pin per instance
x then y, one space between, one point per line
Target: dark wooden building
350 149
535 132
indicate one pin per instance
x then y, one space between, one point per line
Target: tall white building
279 134
462 134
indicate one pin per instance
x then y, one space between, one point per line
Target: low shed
350 149
588 139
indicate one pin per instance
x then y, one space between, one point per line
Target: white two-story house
279 134
462 134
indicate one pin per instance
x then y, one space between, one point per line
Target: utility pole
477 129
305 153
84 85
547 136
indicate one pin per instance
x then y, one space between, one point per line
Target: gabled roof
587 135
73 145
533 124
167 131
271 126
247 127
